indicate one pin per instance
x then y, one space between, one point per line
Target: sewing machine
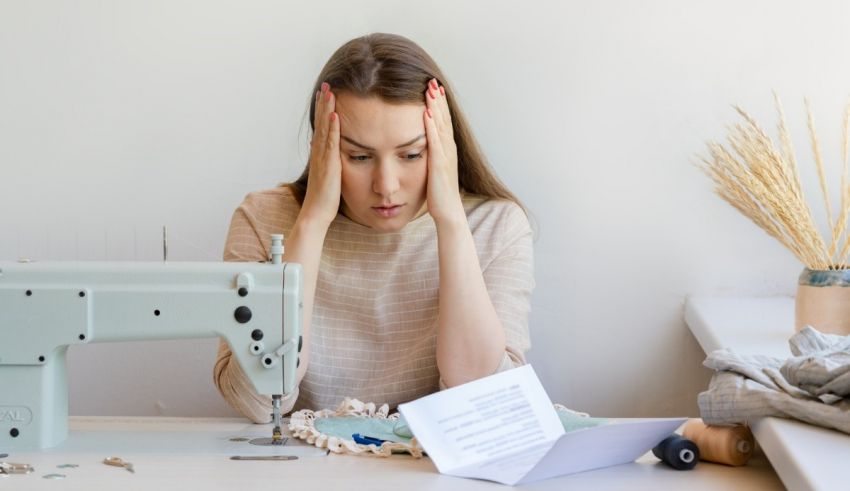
47 307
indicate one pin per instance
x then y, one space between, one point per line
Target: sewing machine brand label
15 414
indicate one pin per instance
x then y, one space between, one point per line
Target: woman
417 261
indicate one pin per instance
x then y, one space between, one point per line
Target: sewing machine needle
277 436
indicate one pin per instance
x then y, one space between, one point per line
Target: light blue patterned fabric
397 431
574 422
345 426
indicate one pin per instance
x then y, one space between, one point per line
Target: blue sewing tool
366 440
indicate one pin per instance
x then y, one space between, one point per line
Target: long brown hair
397 70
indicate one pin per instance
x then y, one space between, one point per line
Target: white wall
119 117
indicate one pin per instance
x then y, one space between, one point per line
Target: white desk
181 453
804 456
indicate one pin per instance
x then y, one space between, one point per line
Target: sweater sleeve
244 244
509 278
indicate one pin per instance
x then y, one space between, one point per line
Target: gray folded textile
822 364
812 386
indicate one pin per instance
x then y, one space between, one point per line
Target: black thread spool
677 452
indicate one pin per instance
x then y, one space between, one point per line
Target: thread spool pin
277 248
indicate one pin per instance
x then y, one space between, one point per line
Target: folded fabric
333 429
385 434
812 386
821 366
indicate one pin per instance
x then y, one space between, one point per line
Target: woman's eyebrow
364 147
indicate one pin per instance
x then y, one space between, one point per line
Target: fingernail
325 86
434 83
442 90
328 95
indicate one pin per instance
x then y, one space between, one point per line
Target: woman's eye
359 158
414 156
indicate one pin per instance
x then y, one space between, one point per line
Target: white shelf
804 456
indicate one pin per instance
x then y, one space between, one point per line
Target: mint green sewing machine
46 307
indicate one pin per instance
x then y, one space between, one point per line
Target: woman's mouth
387 211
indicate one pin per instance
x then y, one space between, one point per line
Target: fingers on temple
432 102
432 134
333 133
318 121
436 100
324 108
444 105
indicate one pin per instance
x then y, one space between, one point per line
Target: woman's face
384 161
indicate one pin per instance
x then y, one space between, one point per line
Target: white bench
804 456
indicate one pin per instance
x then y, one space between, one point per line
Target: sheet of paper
616 443
503 428
495 428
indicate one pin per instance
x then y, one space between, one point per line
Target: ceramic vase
823 301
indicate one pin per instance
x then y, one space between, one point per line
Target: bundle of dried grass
763 183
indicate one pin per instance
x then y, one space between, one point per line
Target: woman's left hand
443 195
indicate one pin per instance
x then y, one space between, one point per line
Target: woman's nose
385 180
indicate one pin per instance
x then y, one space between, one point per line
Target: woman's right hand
324 186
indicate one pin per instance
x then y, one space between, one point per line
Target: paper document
504 428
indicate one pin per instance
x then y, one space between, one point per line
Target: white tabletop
804 456
177 453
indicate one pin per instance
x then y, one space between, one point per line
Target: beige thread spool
730 445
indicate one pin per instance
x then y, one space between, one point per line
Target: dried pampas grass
763 182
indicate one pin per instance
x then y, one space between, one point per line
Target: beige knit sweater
373 332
